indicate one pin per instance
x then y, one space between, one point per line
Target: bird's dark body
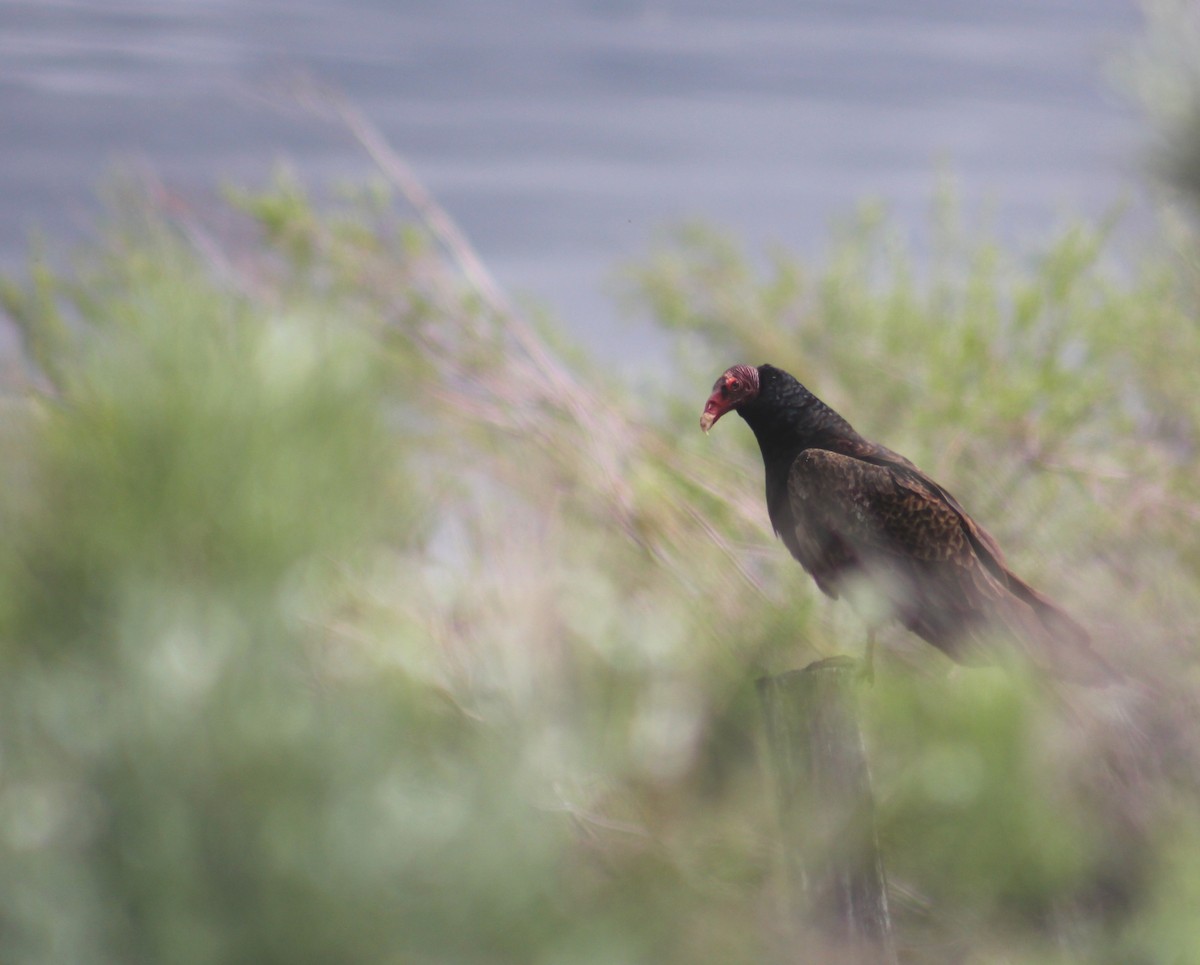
849 509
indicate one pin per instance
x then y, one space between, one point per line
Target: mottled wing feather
877 508
875 454
876 518
877 515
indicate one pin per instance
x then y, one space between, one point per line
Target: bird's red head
737 386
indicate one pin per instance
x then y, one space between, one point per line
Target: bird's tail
1057 641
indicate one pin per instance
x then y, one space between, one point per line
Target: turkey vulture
852 510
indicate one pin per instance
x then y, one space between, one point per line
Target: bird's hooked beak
736 386
717 405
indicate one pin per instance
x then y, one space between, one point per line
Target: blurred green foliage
342 618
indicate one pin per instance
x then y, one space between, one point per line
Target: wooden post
838 892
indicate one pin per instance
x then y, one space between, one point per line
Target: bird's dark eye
733 385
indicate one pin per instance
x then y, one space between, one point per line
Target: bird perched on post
852 510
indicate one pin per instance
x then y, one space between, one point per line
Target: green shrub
345 619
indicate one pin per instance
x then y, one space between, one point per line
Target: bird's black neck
786 418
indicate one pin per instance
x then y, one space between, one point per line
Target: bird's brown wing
870 520
985 545
943 574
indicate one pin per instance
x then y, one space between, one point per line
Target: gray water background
564 134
